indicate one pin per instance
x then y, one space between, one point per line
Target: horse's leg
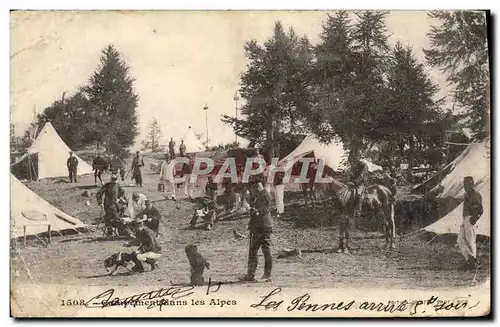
393 236
381 216
342 233
346 233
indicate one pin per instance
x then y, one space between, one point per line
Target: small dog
117 260
197 263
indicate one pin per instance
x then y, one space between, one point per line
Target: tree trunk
270 139
277 138
355 149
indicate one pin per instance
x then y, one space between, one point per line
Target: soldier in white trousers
166 177
279 194
472 211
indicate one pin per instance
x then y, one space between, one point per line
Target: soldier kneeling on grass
149 249
207 211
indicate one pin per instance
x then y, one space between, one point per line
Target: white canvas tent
475 162
28 210
332 154
450 224
448 181
46 158
192 143
371 166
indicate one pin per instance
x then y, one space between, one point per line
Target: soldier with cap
112 205
149 248
152 216
137 164
182 149
261 228
72 164
472 211
167 177
171 148
117 164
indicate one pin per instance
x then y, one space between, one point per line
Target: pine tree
459 47
412 111
154 135
350 78
274 87
333 79
113 103
70 118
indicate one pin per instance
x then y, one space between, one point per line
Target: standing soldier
260 227
182 149
72 164
117 163
167 177
473 209
171 148
112 193
279 191
137 164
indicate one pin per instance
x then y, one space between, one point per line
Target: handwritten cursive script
162 295
272 301
300 303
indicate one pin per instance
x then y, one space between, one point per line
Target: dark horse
100 164
376 199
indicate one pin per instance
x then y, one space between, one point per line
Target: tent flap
333 154
30 210
475 162
192 143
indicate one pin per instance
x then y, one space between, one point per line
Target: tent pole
432 239
414 232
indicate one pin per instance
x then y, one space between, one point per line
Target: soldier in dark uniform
182 149
137 164
117 164
171 148
261 228
211 189
72 165
149 248
359 173
153 217
112 206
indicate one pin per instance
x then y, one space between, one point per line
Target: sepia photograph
231 163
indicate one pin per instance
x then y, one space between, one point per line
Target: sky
180 60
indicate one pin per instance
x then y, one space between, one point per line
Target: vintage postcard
250 164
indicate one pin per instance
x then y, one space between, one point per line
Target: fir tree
459 47
113 103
